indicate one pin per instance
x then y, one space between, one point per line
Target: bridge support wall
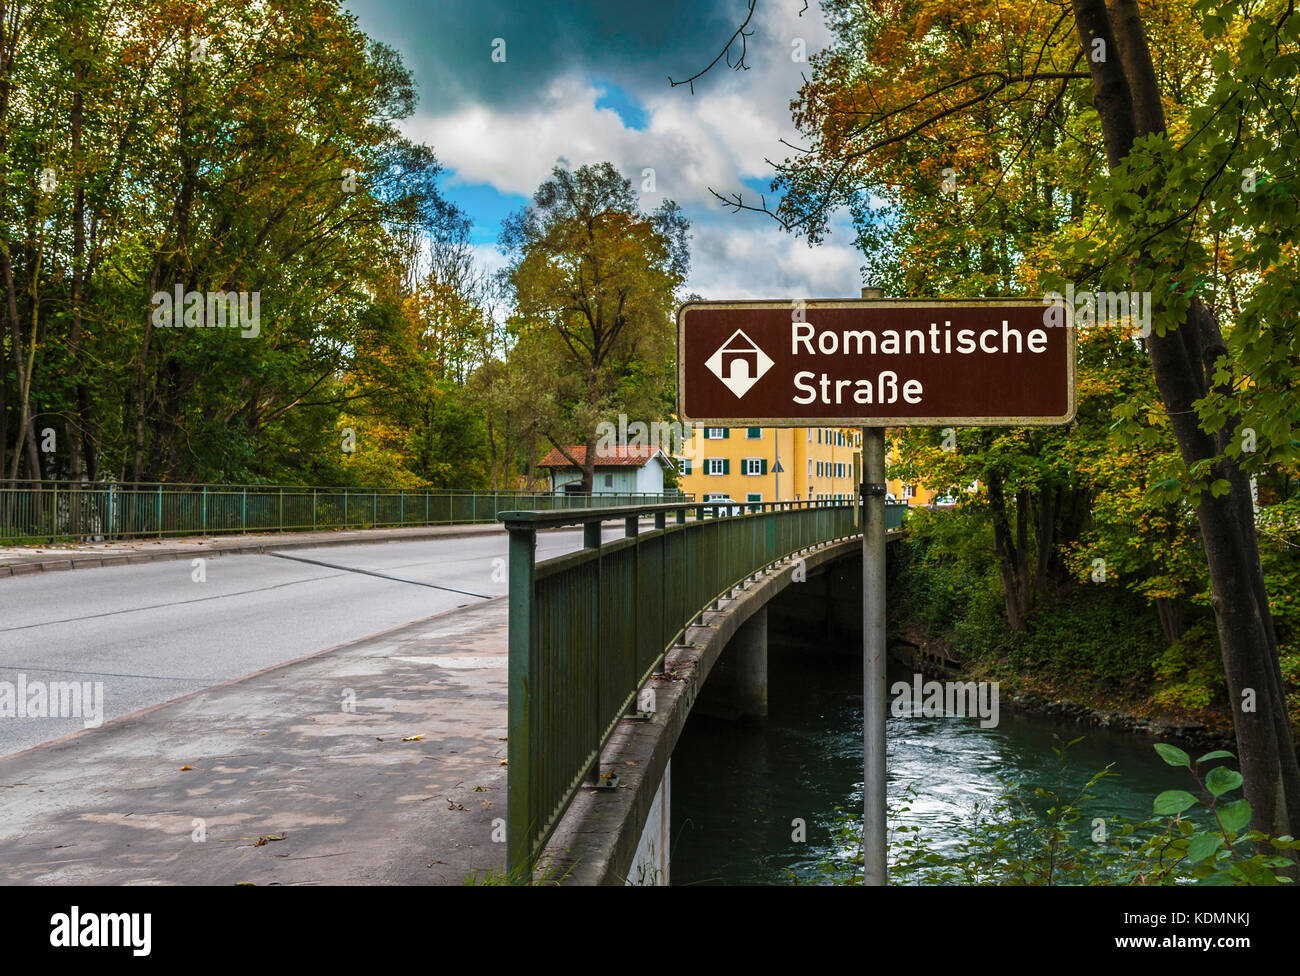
650 863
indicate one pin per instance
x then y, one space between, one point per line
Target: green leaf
1234 815
1216 754
1173 755
1173 801
1221 779
1202 846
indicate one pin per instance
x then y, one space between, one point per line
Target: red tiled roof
619 457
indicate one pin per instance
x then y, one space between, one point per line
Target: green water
737 788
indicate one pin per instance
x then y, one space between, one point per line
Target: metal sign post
873 363
873 655
875 869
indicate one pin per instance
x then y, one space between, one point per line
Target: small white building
626 470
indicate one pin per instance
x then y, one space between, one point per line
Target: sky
585 81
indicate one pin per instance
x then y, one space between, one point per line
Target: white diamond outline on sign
739 385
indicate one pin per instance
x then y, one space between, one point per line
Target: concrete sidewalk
15 560
277 753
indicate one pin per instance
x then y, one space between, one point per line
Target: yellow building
912 493
815 462
765 464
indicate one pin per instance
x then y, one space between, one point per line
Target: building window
754 433
754 496
810 470
716 466
715 434
909 491
819 469
685 465
809 435
609 481
819 435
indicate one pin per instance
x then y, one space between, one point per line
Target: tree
1163 210
594 281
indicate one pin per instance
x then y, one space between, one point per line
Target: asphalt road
151 633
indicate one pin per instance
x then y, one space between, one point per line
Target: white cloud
715 138
733 259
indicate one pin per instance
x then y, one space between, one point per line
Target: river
737 788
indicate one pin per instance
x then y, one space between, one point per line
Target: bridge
608 648
416 749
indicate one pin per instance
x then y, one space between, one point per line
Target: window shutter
686 466
726 466
763 464
726 432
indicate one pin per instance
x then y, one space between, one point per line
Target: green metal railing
48 510
589 628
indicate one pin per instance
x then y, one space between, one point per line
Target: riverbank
1064 701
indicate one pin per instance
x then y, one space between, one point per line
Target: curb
244 549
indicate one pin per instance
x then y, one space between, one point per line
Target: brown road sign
874 363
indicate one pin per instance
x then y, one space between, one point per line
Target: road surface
151 633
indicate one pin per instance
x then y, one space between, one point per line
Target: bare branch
724 53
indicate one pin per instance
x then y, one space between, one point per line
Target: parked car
723 504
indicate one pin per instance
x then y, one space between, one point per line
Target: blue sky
585 81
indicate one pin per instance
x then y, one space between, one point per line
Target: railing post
345 508
521 821
282 509
591 532
313 509
204 505
374 507
243 510
160 529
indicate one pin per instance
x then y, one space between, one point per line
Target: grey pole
875 869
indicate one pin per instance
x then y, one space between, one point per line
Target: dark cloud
448 43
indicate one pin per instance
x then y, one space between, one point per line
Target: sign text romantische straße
874 363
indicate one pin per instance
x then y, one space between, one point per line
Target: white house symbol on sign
739 363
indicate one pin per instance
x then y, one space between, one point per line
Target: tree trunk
1010 562
1170 612
1127 99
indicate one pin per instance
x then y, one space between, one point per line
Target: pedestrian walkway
377 762
15 560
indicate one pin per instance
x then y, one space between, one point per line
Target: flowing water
738 788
